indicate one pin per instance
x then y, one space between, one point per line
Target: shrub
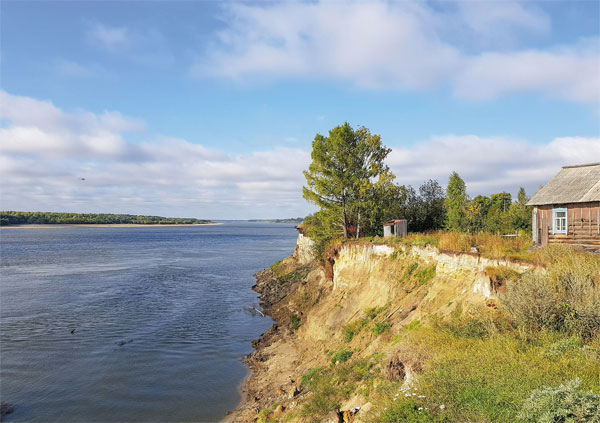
378 328
295 321
533 303
371 313
341 356
564 403
351 329
566 297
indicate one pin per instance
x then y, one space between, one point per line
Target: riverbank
399 333
107 225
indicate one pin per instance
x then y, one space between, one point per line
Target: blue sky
208 109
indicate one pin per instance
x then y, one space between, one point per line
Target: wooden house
567 209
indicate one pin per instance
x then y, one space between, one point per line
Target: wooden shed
567 209
397 227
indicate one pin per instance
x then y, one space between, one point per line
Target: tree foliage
456 203
424 210
349 181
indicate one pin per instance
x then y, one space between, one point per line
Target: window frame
554 228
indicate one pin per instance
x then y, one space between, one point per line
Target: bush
565 298
341 356
351 329
378 328
533 303
564 403
295 321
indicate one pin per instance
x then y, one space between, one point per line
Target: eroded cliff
357 309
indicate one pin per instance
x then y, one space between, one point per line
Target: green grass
486 377
332 386
353 328
294 276
413 325
426 274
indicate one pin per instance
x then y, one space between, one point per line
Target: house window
559 221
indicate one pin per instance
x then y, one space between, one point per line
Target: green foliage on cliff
45 218
350 183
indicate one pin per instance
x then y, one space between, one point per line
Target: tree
456 203
346 177
425 210
520 213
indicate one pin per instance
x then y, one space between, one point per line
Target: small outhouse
567 209
396 227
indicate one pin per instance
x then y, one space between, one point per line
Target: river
135 324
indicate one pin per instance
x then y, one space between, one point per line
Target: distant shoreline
103 225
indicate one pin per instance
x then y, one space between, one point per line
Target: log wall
583 224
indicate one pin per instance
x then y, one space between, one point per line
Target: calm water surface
158 315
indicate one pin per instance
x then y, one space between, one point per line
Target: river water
130 324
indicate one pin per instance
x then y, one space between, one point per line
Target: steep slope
346 343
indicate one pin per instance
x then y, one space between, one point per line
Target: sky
208 109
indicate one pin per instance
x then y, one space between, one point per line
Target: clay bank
353 309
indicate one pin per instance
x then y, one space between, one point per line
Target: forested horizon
8 218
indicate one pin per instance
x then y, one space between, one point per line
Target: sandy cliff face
402 284
304 249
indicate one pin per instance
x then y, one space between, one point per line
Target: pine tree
346 175
456 203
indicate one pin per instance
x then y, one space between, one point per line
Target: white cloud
402 45
490 165
499 20
45 152
146 46
71 69
571 73
113 39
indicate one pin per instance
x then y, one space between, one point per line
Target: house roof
573 184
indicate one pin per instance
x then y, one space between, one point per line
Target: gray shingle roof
573 184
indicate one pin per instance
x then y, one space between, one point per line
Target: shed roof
393 222
573 184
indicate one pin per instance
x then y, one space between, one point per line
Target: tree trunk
345 224
358 225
